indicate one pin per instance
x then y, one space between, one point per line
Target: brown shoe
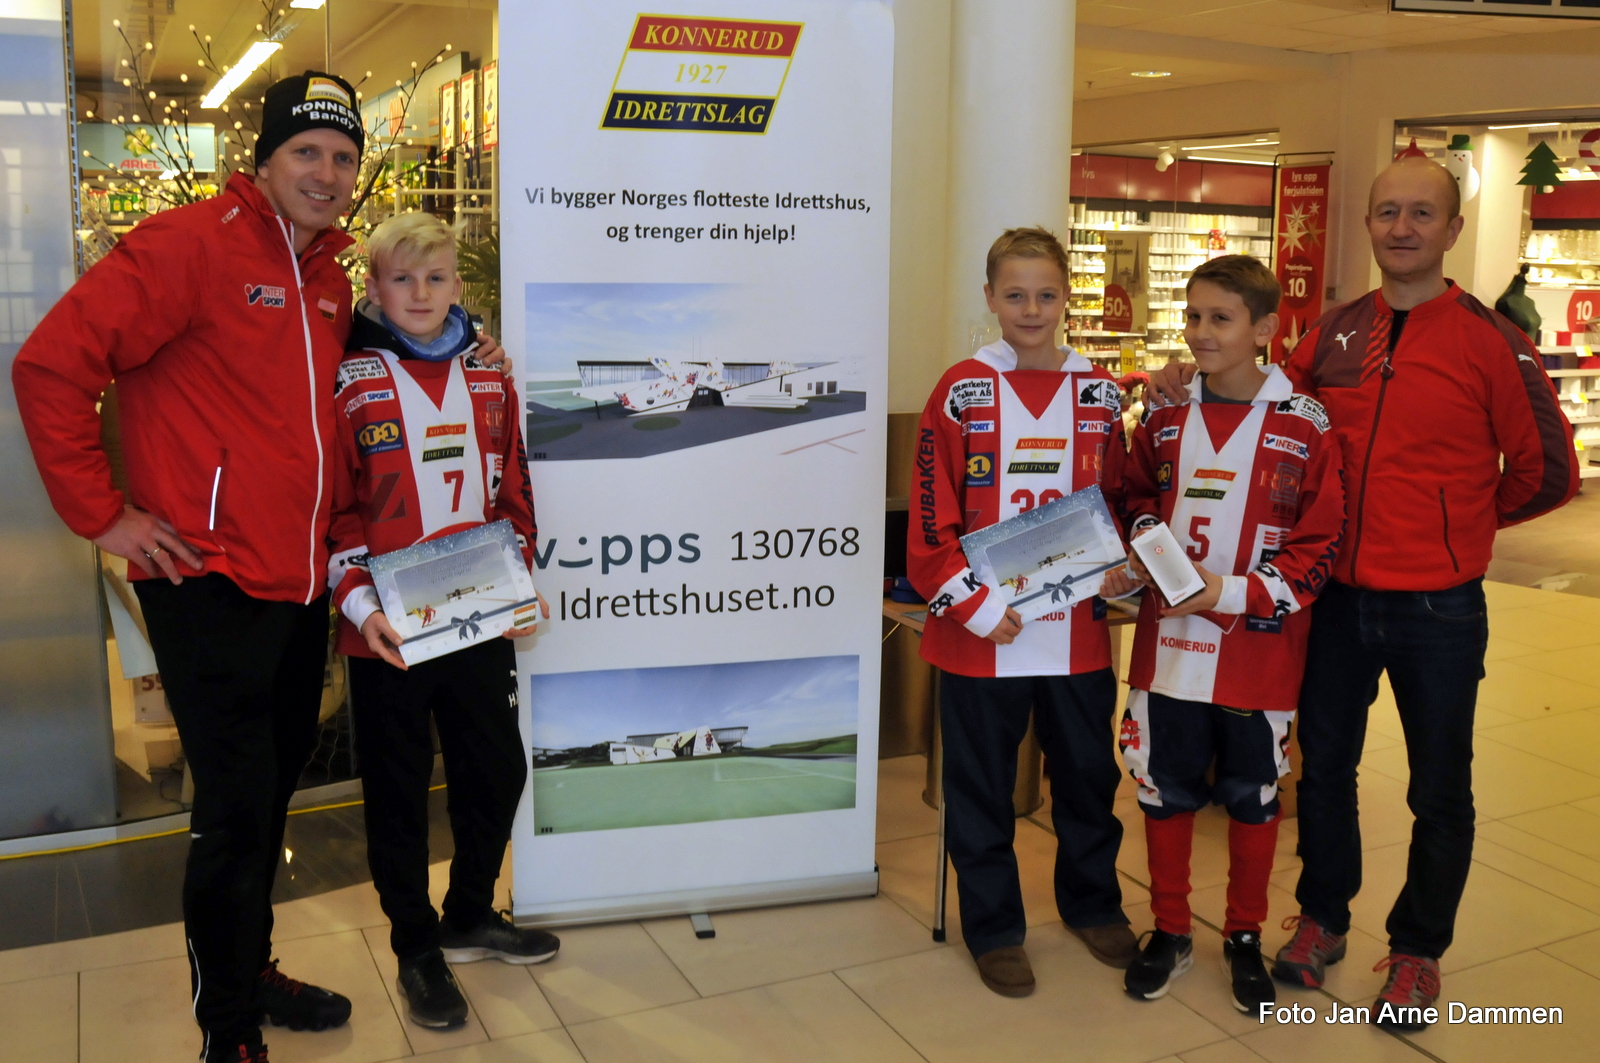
1114 945
1007 971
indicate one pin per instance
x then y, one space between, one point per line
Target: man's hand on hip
1169 385
150 543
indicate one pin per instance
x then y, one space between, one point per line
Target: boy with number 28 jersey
1015 427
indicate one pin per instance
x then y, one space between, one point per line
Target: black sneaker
499 939
1241 958
287 1002
433 998
1163 959
246 1049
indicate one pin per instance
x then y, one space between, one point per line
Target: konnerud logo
701 75
264 295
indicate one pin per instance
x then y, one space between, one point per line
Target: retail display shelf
1262 233
1560 262
1089 291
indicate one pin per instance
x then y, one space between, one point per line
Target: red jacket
1423 430
969 474
1254 494
424 449
223 345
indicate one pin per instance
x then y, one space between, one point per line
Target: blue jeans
1432 645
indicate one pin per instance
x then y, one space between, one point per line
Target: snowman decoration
1458 160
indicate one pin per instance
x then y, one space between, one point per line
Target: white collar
999 355
1276 388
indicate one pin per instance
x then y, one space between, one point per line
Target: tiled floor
861 980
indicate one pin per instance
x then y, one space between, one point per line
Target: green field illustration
755 738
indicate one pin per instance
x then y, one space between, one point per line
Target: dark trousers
1432 646
472 697
1168 745
244 679
984 721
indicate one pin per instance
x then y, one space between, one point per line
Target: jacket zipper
1387 373
216 489
1445 510
311 379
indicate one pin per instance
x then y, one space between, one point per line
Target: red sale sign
1583 312
1300 248
1117 310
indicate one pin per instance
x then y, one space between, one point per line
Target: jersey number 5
1197 535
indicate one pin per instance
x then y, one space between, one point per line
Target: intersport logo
264 295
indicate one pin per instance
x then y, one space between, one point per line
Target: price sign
1118 309
1583 312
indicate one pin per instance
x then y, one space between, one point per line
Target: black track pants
244 679
472 696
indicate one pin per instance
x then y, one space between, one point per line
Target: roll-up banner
695 268
1300 232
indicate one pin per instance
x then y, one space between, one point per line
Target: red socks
1169 842
1250 850
1251 847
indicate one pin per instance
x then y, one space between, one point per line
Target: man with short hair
223 323
1429 392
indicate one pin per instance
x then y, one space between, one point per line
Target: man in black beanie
223 323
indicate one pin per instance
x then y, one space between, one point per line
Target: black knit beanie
312 100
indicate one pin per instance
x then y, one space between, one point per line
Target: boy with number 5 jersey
429 446
1248 480
1016 426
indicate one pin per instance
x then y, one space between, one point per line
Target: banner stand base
695 902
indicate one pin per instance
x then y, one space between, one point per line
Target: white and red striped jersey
425 449
1255 494
995 441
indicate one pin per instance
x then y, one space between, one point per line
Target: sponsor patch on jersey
1284 483
493 416
380 436
1307 407
969 427
969 391
1097 427
264 295
980 470
1167 434
365 397
486 387
1286 444
1270 541
355 369
1095 462
1034 454
1172 642
1102 393
1209 483
1164 476
444 441
494 467
329 306
232 214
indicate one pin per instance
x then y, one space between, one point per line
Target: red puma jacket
224 345
1423 428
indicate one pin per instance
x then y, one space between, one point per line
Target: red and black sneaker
288 1002
1304 960
1412 989
246 1049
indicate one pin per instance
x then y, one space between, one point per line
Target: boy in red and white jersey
1248 478
430 445
1016 426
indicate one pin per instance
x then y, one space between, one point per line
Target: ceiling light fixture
1527 125
1152 73
1242 162
248 64
1243 144
307 5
